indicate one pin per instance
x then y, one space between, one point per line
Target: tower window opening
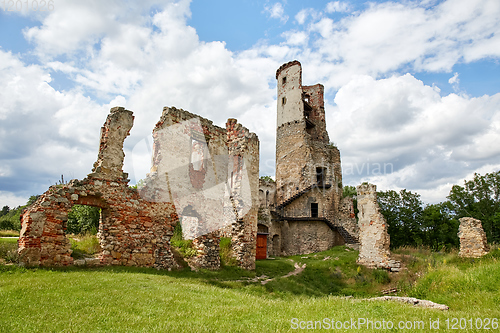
314 209
283 101
283 80
320 176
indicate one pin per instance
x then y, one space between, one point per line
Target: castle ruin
206 178
303 211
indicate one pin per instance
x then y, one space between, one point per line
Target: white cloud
276 11
454 81
389 36
428 139
337 6
302 16
12 200
125 54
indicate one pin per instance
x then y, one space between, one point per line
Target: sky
412 88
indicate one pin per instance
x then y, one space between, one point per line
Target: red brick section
134 231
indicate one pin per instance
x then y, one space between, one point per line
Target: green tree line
411 222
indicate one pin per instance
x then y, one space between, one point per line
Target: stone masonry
132 232
374 240
473 241
136 225
308 188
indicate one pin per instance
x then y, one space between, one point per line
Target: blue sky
414 85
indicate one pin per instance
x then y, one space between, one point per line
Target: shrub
83 219
184 246
226 252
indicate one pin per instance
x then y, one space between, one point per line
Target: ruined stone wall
473 242
137 225
244 147
132 232
314 97
302 237
374 240
212 176
267 216
292 173
347 217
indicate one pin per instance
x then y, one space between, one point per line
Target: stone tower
304 158
308 173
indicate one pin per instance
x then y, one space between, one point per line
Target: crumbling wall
347 217
132 232
211 174
373 237
267 216
136 225
473 242
243 146
308 236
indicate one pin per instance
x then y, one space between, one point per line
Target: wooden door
261 252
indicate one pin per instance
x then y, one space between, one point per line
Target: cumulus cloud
145 56
389 36
421 138
276 11
337 6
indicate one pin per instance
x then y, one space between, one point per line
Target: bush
226 252
11 221
184 246
83 219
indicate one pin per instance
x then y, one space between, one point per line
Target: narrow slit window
320 176
283 81
283 101
314 209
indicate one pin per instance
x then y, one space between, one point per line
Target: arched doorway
261 250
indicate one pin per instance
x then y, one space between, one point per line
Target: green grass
84 245
125 299
9 233
8 250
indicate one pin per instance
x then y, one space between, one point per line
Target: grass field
120 299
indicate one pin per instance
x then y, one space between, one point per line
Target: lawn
120 299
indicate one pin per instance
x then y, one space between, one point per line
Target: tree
5 210
349 191
479 198
439 226
403 213
83 219
32 200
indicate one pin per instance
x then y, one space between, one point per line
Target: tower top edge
287 65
